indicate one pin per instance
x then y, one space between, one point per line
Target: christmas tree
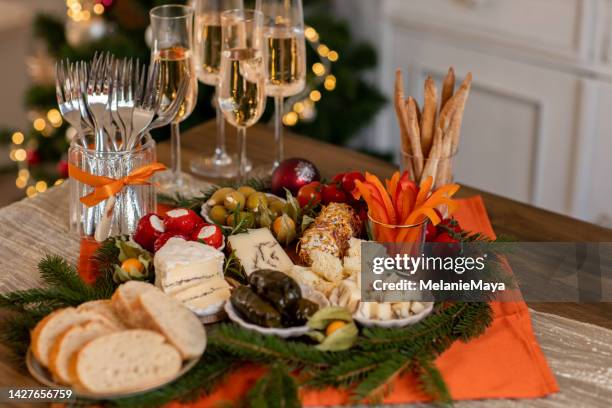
335 105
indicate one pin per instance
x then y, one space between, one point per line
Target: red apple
149 228
163 238
182 221
209 234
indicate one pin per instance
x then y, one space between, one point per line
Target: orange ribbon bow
105 187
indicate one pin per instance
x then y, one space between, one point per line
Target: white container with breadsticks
430 136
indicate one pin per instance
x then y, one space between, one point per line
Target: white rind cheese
257 249
192 273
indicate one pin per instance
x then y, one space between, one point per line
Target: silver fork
97 98
67 90
123 96
147 99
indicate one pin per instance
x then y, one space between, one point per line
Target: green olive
234 200
244 217
277 207
257 200
246 191
218 196
218 214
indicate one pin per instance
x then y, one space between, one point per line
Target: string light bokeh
303 106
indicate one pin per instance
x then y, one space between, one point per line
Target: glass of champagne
285 56
242 97
207 47
172 28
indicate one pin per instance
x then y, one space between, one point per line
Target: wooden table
521 221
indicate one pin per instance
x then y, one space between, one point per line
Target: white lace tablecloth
579 354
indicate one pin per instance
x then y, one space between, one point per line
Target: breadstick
445 169
428 118
458 116
399 111
415 137
418 109
433 161
448 87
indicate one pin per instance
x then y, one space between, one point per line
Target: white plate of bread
138 341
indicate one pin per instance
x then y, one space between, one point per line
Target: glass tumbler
119 214
441 169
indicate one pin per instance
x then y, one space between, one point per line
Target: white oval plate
43 376
206 209
284 333
395 323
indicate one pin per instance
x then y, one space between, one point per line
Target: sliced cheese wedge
205 297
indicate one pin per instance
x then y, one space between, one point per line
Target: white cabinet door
519 127
593 180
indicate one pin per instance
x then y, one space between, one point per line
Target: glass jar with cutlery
113 104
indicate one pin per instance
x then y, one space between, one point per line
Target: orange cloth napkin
505 362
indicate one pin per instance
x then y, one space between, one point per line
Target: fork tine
58 83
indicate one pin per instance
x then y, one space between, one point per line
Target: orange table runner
505 362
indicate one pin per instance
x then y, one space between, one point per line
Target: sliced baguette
124 301
172 319
105 308
48 329
124 361
69 342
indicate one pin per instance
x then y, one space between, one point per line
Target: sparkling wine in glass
207 46
285 56
172 28
242 96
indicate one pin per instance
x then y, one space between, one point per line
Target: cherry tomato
348 181
309 194
332 194
338 178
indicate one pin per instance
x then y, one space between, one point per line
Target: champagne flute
207 47
172 27
285 56
242 83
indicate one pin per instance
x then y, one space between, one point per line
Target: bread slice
124 301
71 341
177 323
125 361
105 308
46 331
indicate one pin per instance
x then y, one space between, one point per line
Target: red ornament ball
33 157
292 174
62 168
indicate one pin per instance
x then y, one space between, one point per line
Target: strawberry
149 228
182 221
208 234
163 238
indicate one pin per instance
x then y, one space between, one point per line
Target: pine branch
251 346
348 372
379 382
432 382
276 389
